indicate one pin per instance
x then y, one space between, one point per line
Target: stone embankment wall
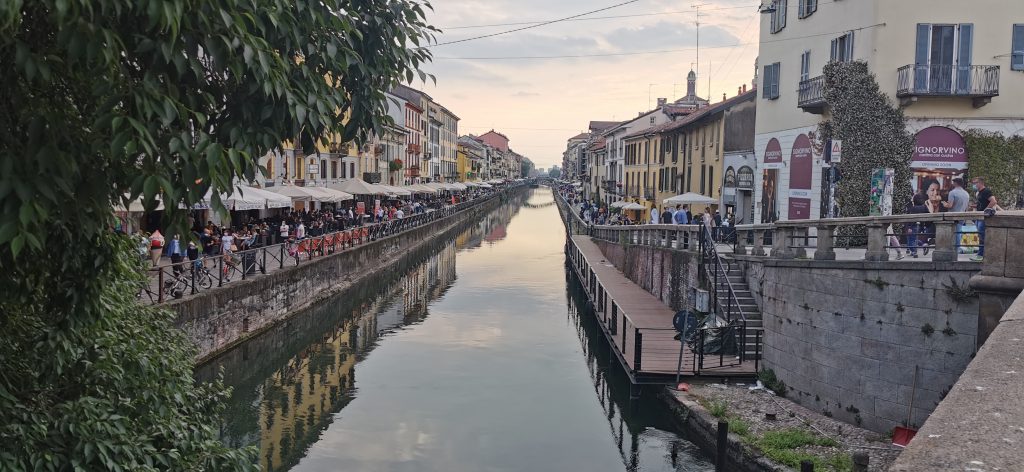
667 274
222 318
845 336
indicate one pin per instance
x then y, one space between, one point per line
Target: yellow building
461 163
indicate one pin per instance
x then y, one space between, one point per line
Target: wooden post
860 461
826 244
722 446
945 247
876 243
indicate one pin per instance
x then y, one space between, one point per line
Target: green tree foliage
1000 161
874 135
104 101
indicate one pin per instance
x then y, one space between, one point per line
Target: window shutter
766 80
849 47
1017 48
963 73
835 50
923 37
801 8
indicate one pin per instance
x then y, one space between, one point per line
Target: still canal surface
478 354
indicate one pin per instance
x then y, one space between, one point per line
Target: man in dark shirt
985 201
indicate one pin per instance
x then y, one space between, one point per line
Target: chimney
662 102
739 90
744 88
723 96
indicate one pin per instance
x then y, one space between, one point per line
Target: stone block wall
224 317
667 274
845 336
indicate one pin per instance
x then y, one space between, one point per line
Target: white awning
359 187
328 195
689 198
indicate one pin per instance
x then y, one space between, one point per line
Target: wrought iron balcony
811 95
371 177
979 83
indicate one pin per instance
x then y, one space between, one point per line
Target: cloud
668 35
523 93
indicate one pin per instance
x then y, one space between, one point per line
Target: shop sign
745 178
939 147
773 155
730 177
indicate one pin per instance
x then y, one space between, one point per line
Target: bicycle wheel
205 280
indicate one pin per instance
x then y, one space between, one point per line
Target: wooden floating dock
638 325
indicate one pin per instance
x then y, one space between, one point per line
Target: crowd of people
931 199
720 227
248 231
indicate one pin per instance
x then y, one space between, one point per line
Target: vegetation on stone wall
1000 161
873 132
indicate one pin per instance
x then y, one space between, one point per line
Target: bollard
860 461
722 445
806 466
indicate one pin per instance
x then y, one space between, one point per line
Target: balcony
413 149
412 171
811 95
649 193
371 177
979 83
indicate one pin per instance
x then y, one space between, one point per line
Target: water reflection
469 367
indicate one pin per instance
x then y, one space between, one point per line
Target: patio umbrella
359 187
297 194
395 191
263 198
329 195
690 198
135 206
457 186
633 206
618 204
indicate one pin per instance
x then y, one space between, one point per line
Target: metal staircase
731 297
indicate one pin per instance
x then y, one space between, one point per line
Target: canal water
479 353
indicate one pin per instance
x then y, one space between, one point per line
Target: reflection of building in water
302 372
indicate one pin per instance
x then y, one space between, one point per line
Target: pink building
495 139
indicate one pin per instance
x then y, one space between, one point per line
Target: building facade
949 67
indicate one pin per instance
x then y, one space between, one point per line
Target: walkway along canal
478 352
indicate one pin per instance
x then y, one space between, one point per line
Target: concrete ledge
980 424
701 428
863 265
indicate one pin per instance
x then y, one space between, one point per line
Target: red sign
801 164
773 154
939 147
799 209
360 208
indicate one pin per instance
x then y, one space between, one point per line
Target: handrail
709 242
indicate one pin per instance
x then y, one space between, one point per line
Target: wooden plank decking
631 317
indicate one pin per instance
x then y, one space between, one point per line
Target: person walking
915 230
680 217
654 216
988 204
959 199
175 251
283 231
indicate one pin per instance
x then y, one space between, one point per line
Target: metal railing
618 324
947 80
189 277
811 92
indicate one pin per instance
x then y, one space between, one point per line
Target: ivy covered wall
1000 161
874 134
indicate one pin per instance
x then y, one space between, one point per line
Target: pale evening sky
540 103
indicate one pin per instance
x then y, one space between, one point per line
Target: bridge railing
868 238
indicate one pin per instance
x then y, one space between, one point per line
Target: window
779 15
703 173
806 8
1017 49
842 48
942 61
711 180
805 66
323 169
770 81
652 120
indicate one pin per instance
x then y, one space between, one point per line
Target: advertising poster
360 208
376 206
800 176
770 181
881 192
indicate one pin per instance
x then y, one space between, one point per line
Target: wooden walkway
637 324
